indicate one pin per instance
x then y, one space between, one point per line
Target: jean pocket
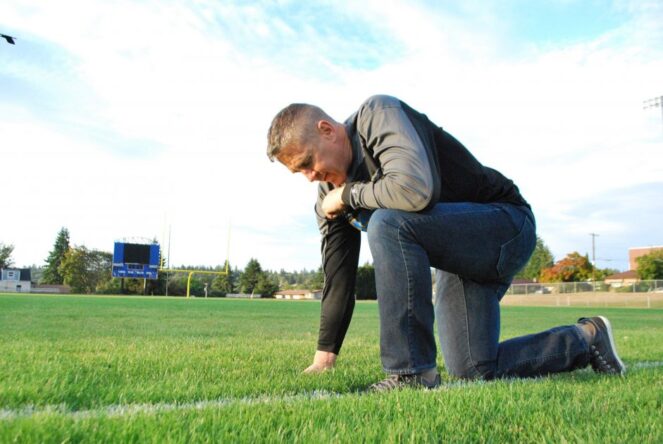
515 253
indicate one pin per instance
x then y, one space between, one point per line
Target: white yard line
644 364
160 407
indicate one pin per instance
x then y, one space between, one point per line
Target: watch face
359 218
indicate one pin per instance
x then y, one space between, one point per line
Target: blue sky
119 120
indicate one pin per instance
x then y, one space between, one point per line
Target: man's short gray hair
294 125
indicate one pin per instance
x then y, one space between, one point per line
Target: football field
151 369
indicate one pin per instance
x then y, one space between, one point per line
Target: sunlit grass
91 369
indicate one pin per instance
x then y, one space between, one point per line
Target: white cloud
158 114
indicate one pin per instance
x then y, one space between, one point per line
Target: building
243 295
51 289
622 279
636 252
15 280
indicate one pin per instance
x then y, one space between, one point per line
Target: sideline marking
160 407
644 364
113 411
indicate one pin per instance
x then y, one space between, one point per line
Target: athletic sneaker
396 382
603 353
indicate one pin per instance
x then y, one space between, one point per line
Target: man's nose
311 175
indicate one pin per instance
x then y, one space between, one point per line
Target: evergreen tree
267 285
52 271
224 283
6 255
541 258
249 278
317 280
365 283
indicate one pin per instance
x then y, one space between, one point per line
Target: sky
138 120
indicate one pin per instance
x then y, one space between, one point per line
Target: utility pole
167 273
594 236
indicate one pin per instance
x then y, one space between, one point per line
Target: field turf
133 369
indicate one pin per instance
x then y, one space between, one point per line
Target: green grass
131 369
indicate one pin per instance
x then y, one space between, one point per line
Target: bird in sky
11 40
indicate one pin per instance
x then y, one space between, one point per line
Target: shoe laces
598 360
392 382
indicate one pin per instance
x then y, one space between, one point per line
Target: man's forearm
334 321
340 259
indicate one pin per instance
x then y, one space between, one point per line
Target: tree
573 268
365 283
224 283
36 272
52 271
650 266
249 277
177 284
541 258
267 285
317 280
85 270
6 255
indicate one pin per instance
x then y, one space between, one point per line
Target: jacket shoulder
381 101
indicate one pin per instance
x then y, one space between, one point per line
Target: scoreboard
136 260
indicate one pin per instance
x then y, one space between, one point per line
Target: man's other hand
321 361
333 205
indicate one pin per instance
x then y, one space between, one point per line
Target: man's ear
325 128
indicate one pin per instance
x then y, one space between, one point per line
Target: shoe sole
622 367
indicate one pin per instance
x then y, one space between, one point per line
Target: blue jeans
476 249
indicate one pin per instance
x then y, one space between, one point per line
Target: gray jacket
401 160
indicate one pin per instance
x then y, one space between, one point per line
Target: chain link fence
654 286
641 294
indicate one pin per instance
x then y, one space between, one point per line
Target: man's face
323 160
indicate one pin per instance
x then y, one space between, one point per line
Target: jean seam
409 299
539 359
473 366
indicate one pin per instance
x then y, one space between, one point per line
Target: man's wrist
330 348
325 357
346 195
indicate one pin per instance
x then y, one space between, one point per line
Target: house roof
631 274
25 273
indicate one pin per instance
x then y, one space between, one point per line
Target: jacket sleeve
340 257
404 180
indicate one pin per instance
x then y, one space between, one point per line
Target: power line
656 102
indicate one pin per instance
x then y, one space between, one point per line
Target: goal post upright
192 272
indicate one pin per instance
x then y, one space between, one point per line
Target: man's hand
321 361
332 205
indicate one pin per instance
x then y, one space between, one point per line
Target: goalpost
192 272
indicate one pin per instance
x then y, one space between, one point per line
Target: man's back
457 175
